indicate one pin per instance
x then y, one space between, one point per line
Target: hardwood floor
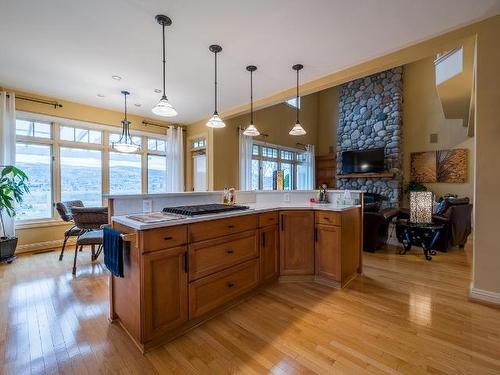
405 315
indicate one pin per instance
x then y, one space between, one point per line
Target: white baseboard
484 295
40 246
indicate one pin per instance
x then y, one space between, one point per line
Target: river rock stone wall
370 116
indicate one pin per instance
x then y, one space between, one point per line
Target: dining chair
64 210
89 220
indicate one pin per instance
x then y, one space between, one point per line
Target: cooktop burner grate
203 209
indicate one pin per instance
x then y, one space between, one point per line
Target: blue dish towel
113 251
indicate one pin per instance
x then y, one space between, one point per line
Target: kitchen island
183 272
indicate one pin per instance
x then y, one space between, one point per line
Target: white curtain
7 144
175 159
246 143
305 171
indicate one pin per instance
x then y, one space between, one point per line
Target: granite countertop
254 209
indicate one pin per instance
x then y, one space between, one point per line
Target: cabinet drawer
328 218
269 218
164 238
222 227
215 290
211 256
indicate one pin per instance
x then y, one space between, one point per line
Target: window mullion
105 164
56 167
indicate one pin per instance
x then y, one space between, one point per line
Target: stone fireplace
370 116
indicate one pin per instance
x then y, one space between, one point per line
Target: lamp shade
251 131
216 122
421 206
164 108
297 130
125 147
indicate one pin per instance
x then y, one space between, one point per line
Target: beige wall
422 116
328 119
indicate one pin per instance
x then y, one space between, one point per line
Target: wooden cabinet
328 252
217 228
297 243
269 255
163 238
215 290
165 291
210 256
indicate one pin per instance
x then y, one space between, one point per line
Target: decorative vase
7 249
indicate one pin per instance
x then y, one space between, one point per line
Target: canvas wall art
439 166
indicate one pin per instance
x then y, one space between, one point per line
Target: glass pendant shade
125 143
297 130
216 122
251 131
164 108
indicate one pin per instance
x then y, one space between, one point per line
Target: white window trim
56 145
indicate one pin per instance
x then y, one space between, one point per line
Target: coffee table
418 234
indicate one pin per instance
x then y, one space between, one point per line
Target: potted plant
13 186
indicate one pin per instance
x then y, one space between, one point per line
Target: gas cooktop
204 209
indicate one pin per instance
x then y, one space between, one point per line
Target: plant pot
7 249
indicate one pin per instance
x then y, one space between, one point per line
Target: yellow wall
328 119
422 116
34 237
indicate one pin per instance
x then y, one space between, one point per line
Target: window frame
260 157
104 147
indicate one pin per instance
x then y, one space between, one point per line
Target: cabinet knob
229 251
230 226
230 285
168 238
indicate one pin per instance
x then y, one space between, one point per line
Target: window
36 161
66 162
157 173
125 175
69 133
199 143
33 129
200 172
81 175
155 144
293 102
267 160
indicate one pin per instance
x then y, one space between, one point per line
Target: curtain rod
147 123
52 103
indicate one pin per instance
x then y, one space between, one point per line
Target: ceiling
70 49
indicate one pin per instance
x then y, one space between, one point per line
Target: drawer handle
230 226
326 218
229 251
230 285
168 238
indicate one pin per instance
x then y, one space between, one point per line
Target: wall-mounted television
365 161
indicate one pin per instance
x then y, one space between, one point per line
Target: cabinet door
328 252
165 291
297 243
269 260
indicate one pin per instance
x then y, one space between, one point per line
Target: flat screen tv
366 161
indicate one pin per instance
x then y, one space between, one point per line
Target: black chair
64 210
89 220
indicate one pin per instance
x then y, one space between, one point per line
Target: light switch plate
286 197
147 206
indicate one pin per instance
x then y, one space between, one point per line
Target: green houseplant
13 186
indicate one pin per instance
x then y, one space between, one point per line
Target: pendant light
297 128
251 130
164 108
125 143
215 121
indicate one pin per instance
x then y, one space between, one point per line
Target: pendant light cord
164 61
297 97
215 86
251 97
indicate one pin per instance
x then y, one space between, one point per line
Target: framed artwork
423 166
439 166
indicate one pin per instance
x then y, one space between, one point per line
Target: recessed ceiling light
157 91
117 78
101 95
137 104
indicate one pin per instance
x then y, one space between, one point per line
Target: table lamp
421 207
